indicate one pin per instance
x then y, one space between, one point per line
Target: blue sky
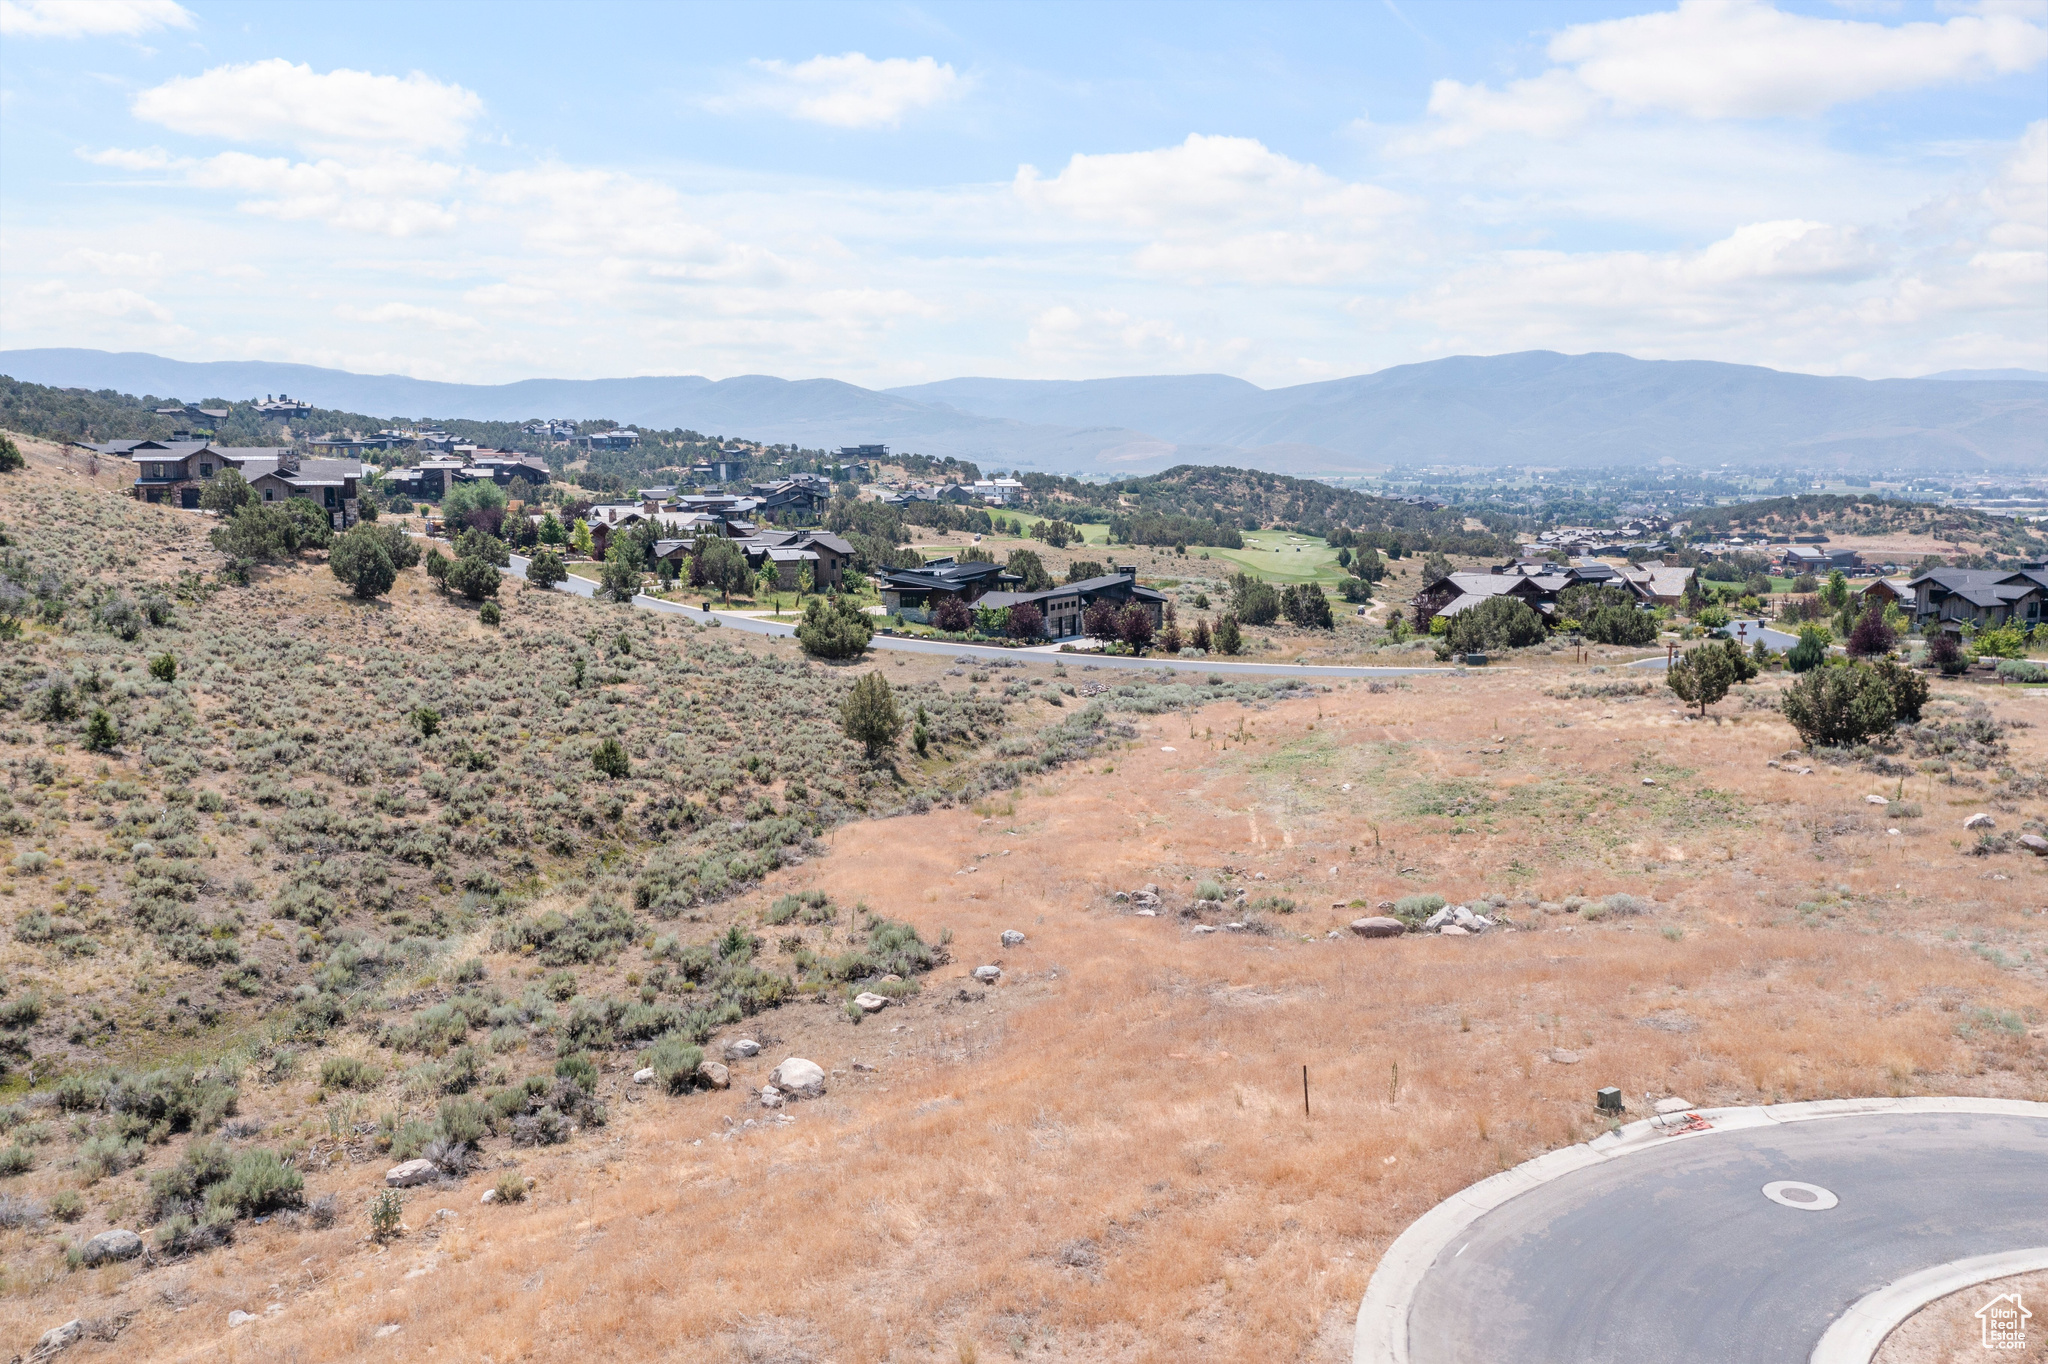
892 193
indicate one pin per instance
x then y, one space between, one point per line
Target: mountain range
1536 408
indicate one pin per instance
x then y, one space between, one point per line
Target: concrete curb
1858 1333
1382 1333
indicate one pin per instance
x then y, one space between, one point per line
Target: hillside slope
1536 407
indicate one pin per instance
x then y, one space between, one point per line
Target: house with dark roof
1984 598
1535 584
913 593
328 483
1065 607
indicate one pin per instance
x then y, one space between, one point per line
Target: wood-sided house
1983 598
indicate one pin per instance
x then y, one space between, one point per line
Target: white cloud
116 263
1203 181
1733 59
275 101
852 90
89 18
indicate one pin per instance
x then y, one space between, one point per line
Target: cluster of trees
1605 615
1162 528
1494 624
1055 532
1255 602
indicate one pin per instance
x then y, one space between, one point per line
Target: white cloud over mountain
1664 187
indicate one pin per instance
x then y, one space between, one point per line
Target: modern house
177 472
1663 586
1890 590
797 497
284 406
1065 607
828 555
1818 559
913 593
1984 598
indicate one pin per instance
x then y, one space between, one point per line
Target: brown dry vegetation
1105 1156
1947 1330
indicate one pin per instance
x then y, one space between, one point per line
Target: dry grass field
1105 1154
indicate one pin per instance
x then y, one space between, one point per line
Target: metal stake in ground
1304 1091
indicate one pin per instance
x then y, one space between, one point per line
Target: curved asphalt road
583 587
1674 1254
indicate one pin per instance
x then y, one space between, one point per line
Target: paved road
1674 1254
583 587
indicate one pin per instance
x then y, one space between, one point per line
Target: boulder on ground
1011 937
771 1097
2034 844
1980 821
715 1075
1441 917
870 1002
988 975
798 1077
1378 926
240 1318
644 1075
410 1173
741 1048
1876 800
111 1245
490 1196
59 1338
1453 931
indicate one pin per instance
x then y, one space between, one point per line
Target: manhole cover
1791 1193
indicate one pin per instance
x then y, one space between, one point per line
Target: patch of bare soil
1952 1331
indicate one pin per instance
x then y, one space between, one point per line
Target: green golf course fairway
1283 557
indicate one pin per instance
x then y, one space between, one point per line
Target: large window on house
206 471
270 494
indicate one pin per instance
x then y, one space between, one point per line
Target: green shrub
1838 707
835 629
349 1072
511 1188
1413 909
387 1214
579 1068
15 1160
490 613
176 1099
67 1206
609 758
184 1185
258 1183
674 1062
164 667
464 1120
1494 624
593 933
476 579
107 1154
24 1012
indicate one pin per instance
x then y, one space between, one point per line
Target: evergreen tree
869 716
360 559
1702 676
1229 640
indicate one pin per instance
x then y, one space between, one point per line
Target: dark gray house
1985 598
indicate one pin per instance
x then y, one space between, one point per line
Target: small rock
1559 1056
1441 917
1378 926
1122 897
870 1002
111 1245
273 1309
60 1338
1203 928
771 1097
239 1318
798 1076
1879 801
1011 937
490 1196
1453 931
2034 844
410 1173
1150 889
393 1329
1980 821
743 1047
715 1075
1384 904
1148 913
1235 928
644 1075
1649 781
988 975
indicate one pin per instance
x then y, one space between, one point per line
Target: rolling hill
1532 408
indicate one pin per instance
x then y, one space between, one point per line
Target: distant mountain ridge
1530 408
